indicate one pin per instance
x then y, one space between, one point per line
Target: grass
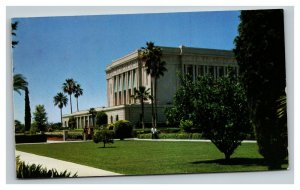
152 157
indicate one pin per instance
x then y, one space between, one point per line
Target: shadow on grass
107 147
235 161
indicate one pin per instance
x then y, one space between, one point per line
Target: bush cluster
37 171
103 135
123 129
173 136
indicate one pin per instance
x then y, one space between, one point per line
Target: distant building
127 73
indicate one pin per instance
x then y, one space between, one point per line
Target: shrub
123 129
75 136
173 136
33 129
186 125
19 127
103 135
101 118
37 171
31 138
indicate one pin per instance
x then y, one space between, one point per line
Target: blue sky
52 49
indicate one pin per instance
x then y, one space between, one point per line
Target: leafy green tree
27 117
78 91
20 83
72 122
155 67
171 114
93 113
14 27
60 100
260 53
103 135
142 94
221 109
69 88
217 108
101 118
19 127
40 117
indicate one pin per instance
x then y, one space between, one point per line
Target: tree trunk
142 119
155 102
61 117
77 104
70 102
152 109
227 157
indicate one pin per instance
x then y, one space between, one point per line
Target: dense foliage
101 118
19 127
31 138
40 117
217 108
24 170
123 129
27 117
104 135
260 53
72 122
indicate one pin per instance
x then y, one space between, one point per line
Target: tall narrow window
189 70
115 84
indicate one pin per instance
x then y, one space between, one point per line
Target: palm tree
60 100
20 83
78 91
14 27
142 95
155 67
93 112
68 87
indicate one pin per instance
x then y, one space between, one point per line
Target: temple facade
128 73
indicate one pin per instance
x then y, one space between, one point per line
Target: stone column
88 121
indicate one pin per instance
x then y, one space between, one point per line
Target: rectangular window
190 70
115 84
129 94
124 99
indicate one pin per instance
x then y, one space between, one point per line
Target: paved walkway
60 166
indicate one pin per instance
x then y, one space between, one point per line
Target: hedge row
31 138
172 136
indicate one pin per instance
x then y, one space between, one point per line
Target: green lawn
152 157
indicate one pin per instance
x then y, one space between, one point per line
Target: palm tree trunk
155 102
71 102
61 117
142 103
77 104
152 109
